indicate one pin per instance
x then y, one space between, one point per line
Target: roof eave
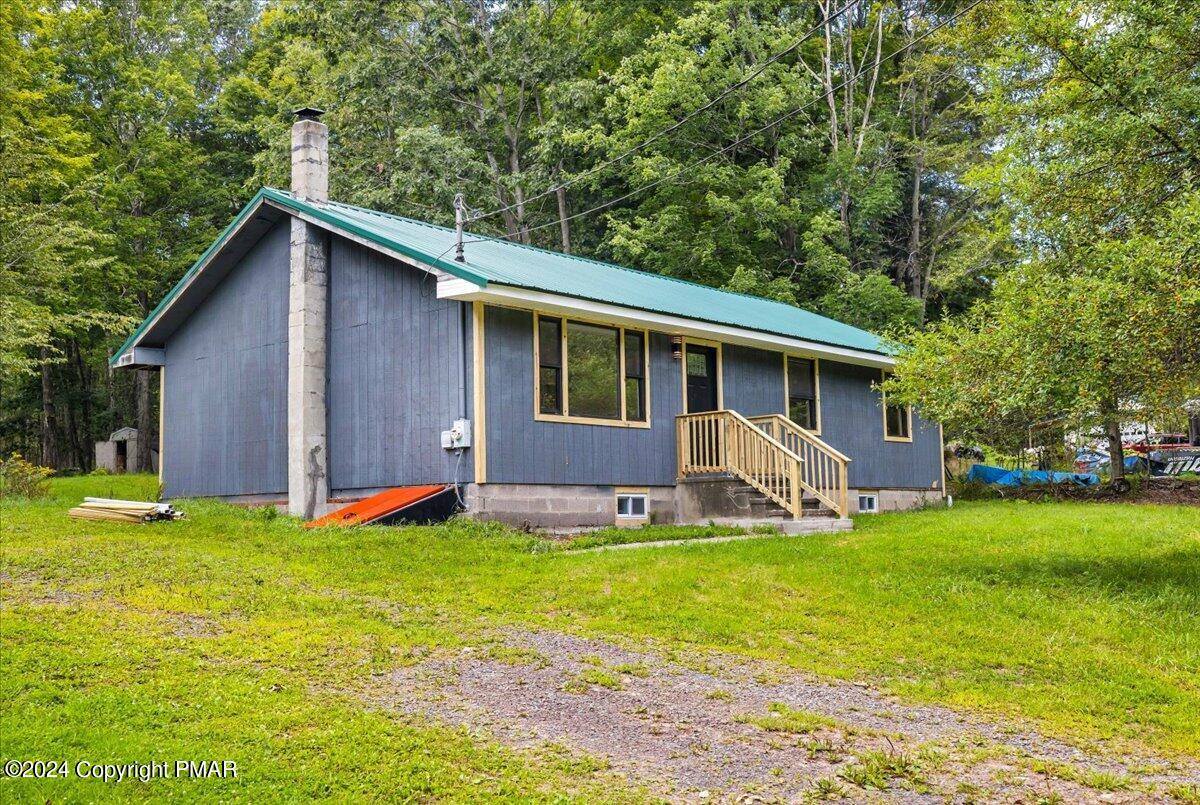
513 296
122 357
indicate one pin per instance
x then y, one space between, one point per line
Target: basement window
631 506
589 372
868 504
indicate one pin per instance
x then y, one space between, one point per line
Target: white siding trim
674 325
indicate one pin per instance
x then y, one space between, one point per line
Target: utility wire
678 124
744 138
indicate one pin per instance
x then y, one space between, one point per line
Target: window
550 366
593 369
802 397
635 376
631 506
590 372
868 504
897 421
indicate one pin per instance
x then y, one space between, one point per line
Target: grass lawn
229 635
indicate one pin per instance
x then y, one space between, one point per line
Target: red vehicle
1158 441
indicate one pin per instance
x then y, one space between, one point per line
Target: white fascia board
465 291
141 356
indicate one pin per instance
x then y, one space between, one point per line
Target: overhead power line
677 124
786 116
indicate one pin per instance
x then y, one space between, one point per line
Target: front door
701 364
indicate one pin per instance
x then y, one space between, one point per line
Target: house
320 352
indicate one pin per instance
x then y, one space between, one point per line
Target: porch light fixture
677 347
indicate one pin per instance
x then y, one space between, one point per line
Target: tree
144 77
48 247
1105 336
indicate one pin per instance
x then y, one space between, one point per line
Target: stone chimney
308 452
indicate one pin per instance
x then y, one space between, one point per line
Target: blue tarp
982 473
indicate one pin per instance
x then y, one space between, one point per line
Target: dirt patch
749 731
28 588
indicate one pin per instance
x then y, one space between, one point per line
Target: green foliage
1083 341
872 302
880 769
21 479
1094 186
781 718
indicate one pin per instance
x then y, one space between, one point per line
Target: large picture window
802 398
590 372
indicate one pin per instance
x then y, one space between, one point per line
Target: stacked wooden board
124 511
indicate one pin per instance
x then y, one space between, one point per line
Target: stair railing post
795 490
845 492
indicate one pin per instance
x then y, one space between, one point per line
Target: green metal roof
493 260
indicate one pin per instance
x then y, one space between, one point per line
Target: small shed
118 453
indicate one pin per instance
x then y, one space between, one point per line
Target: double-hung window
802 398
590 372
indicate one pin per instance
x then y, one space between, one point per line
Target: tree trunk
49 426
563 214
142 461
1116 452
85 388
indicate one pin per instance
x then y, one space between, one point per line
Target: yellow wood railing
823 469
725 441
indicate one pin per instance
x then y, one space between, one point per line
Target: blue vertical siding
852 421
395 373
753 380
226 383
523 450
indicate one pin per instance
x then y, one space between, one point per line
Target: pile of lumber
124 511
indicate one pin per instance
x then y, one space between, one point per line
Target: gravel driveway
720 730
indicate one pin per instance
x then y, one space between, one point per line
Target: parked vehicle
1158 441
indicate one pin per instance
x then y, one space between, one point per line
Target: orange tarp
376 506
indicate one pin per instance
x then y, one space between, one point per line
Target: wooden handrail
725 441
823 468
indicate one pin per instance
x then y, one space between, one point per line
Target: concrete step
805 525
761 504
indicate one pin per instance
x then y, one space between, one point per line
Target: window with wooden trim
897 420
550 400
635 376
802 398
590 372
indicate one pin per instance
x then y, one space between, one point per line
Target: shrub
21 479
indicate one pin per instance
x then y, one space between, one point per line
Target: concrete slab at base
805 525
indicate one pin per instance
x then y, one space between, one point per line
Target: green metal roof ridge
882 350
317 210
327 213
187 275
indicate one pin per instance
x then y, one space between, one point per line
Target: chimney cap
308 113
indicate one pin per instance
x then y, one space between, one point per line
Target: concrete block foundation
561 505
695 500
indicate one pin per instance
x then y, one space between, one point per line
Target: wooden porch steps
765 507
